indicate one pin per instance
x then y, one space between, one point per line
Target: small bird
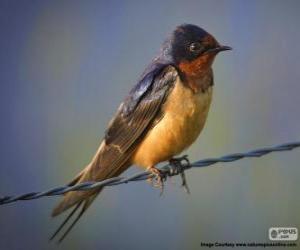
162 116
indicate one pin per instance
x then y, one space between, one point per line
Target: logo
274 234
283 233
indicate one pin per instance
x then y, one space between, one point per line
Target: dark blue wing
143 87
136 115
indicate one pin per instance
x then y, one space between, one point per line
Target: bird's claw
157 178
177 166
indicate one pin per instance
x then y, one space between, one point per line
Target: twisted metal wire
167 170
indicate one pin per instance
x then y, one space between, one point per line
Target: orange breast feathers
185 113
195 71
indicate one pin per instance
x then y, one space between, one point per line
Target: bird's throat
197 74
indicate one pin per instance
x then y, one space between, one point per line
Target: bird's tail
74 197
81 204
80 199
77 199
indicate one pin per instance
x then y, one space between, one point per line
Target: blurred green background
66 65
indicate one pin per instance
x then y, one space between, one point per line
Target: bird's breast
184 115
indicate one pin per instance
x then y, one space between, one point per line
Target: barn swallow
163 115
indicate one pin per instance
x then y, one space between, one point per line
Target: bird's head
192 49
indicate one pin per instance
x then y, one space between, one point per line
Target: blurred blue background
66 65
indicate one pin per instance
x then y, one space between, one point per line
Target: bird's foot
177 166
157 178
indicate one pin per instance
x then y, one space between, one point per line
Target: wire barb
167 170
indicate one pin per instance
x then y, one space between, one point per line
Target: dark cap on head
188 41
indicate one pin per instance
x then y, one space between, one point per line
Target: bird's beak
219 49
223 48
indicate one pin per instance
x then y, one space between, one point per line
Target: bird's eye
195 47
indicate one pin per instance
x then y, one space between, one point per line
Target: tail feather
79 199
84 207
65 222
83 199
74 197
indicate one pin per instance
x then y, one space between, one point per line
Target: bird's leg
177 167
157 178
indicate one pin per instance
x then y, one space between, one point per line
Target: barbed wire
167 170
